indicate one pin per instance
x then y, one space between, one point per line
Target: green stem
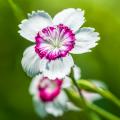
77 101
102 112
79 91
94 116
83 101
84 84
108 95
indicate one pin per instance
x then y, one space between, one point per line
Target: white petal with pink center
36 21
48 96
54 41
86 39
58 68
33 65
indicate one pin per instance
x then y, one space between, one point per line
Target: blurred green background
103 63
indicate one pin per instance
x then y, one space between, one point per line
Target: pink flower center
54 42
49 89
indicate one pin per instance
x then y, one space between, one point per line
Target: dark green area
103 63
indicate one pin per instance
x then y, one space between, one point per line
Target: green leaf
108 95
87 85
102 112
91 87
74 97
94 116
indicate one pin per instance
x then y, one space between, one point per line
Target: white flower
54 41
48 96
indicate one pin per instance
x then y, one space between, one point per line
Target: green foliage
89 86
76 99
102 63
16 10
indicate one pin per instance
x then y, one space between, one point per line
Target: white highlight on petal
53 108
39 107
33 88
35 22
73 18
86 39
66 82
57 68
58 107
30 62
91 96
99 84
76 72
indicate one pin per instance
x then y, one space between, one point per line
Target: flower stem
79 91
89 106
108 95
88 86
83 101
102 112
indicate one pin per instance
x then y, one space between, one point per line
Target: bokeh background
103 63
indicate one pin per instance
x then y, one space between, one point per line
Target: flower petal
86 39
99 84
35 22
30 62
39 107
53 109
91 96
66 82
58 106
70 17
76 72
33 89
57 68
